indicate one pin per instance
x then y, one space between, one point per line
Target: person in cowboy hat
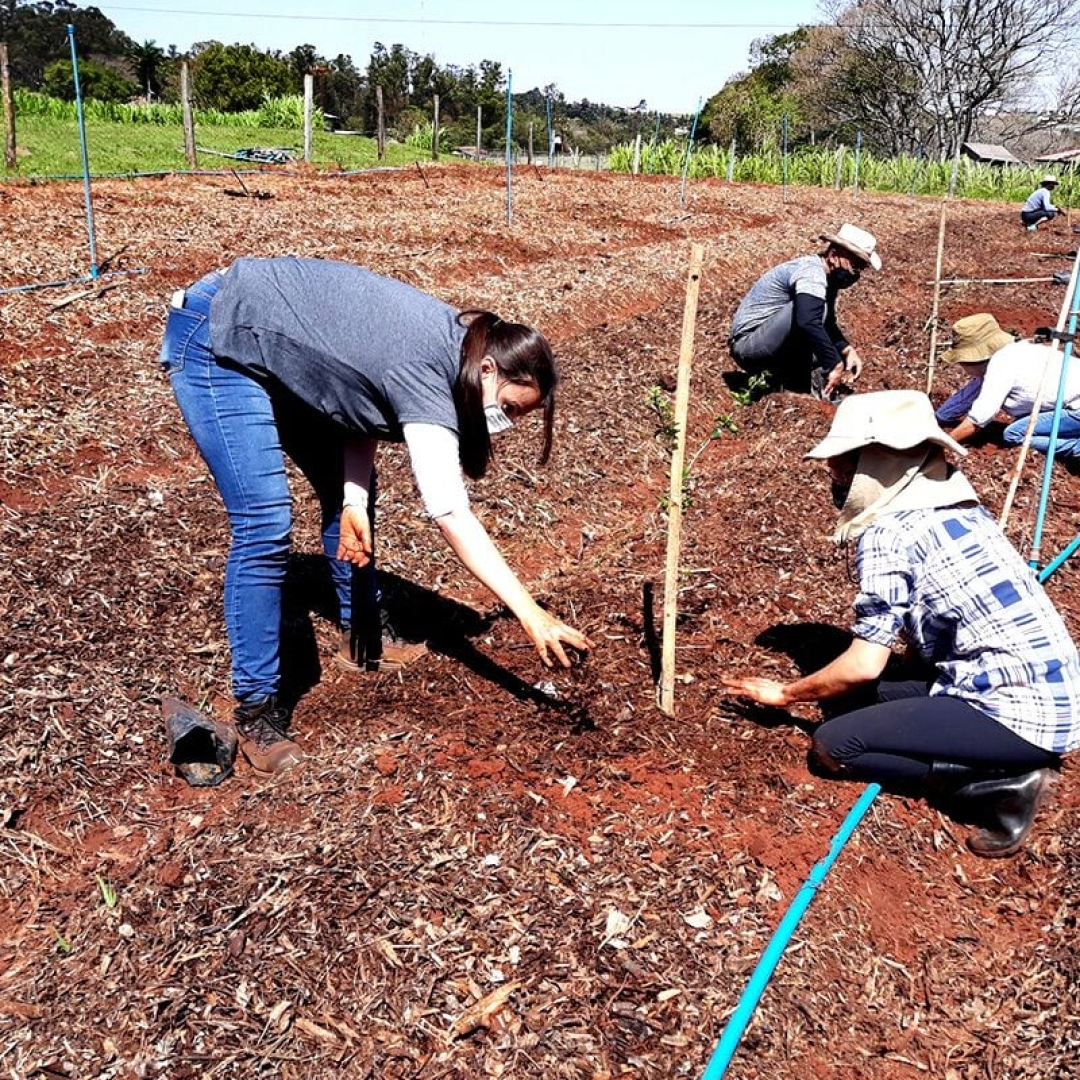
1008 380
981 725
786 324
1038 206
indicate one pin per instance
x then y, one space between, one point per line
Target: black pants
895 741
1033 217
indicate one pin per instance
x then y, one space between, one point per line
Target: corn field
836 167
275 112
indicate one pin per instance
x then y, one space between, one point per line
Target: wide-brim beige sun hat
859 242
1049 178
900 419
975 338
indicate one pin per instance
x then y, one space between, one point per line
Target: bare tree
960 59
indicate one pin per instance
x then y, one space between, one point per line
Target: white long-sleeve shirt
1012 381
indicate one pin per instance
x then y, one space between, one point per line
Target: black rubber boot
1004 807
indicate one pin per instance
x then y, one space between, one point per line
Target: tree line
910 77
236 77
907 77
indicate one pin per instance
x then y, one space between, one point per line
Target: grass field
50 148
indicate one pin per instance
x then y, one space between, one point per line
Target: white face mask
497 420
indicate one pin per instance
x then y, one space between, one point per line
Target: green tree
95 81
237 77
750 108
147 59
390 70
36 33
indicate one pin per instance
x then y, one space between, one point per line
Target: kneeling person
786 324
985 731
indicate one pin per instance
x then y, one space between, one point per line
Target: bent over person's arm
433 451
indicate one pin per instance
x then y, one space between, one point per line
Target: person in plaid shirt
997 703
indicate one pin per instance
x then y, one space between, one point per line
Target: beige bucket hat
1049 178
859 242
975 338
899 419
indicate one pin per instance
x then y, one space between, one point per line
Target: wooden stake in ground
666 695
937 297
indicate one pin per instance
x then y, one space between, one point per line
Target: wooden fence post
8 95
309 103
435 128
188 115
380 128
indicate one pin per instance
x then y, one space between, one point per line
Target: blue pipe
85 156
1057 562
689 148
68 281
1044 494
736 1025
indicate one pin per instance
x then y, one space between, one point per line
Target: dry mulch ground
463 830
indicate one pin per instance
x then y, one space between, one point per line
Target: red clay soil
479 825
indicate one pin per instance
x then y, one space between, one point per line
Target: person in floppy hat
975 338
786 324
1008 379
1038 206
980 724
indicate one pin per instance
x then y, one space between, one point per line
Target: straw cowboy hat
1049 178
858 241
975 338
899 419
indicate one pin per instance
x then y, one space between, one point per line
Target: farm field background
462 827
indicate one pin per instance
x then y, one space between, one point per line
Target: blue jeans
243 428
1068 434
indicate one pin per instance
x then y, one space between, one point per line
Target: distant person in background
979 724
786 325
1038 206
1006 376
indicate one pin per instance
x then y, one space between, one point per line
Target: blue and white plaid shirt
951 583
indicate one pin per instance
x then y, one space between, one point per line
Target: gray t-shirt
369 352
776 288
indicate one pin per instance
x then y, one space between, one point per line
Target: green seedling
109 895
62 943
756 385
666 429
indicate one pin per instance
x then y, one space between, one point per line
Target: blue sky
611 51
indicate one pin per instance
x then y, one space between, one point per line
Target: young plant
109 895
666 429
756 386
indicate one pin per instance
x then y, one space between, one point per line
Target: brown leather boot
263 726
390 654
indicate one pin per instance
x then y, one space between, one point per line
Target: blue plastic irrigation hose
1044 495
736 1025
85 156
